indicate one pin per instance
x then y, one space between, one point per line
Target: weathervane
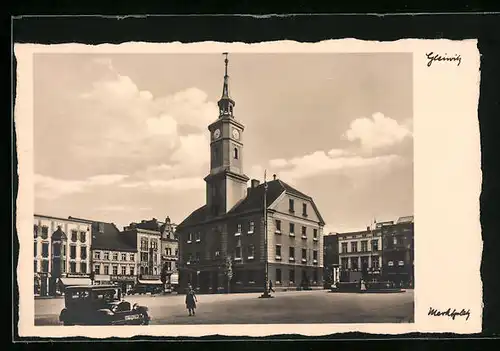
225 61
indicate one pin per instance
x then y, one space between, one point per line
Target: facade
398 251
235 222
360 255
61 253
114 260
169 247
331 259
147 243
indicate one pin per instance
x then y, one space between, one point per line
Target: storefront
125 282
41 284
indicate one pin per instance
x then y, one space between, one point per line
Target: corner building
231 223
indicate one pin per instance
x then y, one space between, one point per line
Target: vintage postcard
248 189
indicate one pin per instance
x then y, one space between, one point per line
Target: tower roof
225 103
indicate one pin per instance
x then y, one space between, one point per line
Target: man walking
191 301
271 286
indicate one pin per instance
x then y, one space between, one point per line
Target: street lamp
266 265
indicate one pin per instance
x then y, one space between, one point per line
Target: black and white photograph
225 188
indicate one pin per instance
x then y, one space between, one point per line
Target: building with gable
235 220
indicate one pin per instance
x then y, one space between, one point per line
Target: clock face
217 133
236 134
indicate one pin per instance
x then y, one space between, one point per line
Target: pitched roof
109 238
405 219
252 202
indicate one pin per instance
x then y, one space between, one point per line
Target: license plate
132 317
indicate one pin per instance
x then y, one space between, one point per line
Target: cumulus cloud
377 132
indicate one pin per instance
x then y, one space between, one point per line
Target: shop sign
150 277
122 277
77 275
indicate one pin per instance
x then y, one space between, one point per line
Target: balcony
250 257
237 234
304 237
277 258
292 235
291 259
277 231
304 260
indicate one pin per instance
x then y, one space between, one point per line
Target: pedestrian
271 286
191 301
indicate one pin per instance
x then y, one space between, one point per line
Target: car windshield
98 296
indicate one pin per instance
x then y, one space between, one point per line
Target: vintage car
100 305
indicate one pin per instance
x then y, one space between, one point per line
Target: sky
123 137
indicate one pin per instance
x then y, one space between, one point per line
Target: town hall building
231 226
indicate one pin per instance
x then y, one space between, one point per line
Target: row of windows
60 250
114 269
354 262
44 267
291 230
291 276
43 232
147 244
292 252
364 246
168 251
105 255
291 207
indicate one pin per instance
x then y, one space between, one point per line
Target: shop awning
150 282
75 281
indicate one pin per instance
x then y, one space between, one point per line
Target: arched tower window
236 153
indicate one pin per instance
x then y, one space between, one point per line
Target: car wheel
145 320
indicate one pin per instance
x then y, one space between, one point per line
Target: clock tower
226 183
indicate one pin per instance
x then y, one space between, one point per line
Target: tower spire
226 104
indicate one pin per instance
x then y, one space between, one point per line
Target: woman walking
191 301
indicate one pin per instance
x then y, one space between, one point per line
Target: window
131 270
238 229
155 258
106 270
115 256
106 255
35 266
251 226
395 240
278 276
72 267
144 244
72 252
56 250
291 253
168 251
364 246
45 266
291 205
35 231
115 270
97 269
144 256
198 237
375 245
278 226
251 252
132 257
190 238
124 270
344 248
124 256
315 234
278 252
292 229
83 252
83 237
304 233
304 210
315 256
45 232
315 276
217 253
169 266
83 267
97 255
35 249
237 253
45 249
390 263
401 263
74 236
344 261
354 246
354 263
375 263
154 244
304 255
235 153
291 276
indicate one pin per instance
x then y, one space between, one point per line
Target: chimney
254 183
274 176
368 228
